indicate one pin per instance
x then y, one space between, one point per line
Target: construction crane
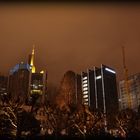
126 78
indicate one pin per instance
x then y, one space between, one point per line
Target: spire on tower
32 59
33 50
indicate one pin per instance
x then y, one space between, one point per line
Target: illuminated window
86 99
85 96
85 88
85 92
84 82
85 78
85 85
85 103
109 70
98 77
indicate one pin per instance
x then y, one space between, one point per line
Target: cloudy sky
70 37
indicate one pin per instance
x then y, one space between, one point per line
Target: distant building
3 86
38 80
37 83
100 90
134 91
38 86
18 87
25 81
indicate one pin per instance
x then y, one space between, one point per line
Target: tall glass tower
100 90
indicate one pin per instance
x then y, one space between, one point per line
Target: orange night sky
70 37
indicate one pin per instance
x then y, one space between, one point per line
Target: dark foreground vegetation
53 137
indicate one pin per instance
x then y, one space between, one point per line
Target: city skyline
69 70
70 37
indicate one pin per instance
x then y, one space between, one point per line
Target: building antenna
126 78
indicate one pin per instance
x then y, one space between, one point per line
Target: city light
85 78
85 81
109 70
85 92
85 85
85 88
98 77
42 71
85 96
86 99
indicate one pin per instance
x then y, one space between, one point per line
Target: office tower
37 80
18 87
134 91
37 83
25 81
88 88
100 90
38 86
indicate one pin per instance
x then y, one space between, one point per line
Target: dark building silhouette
3 86
18 87
100 91
24 81
3 83
78 89
29 58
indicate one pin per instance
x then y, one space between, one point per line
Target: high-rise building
134 92
24 81
37 83
100 90
38 86
37 80
18 87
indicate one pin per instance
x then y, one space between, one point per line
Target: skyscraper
134 91
25 81
100 90
37 83
37 80
18 86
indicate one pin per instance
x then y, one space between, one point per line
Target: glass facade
134 91
101 90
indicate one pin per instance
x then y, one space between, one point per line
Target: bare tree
67 88
126 120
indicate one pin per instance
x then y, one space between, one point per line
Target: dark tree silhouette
67 89
27 122
8 122
127 120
